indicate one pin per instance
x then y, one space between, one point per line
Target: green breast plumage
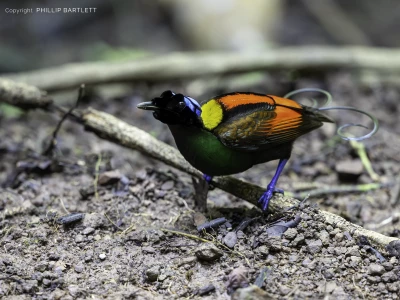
206 153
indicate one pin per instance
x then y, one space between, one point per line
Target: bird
232 132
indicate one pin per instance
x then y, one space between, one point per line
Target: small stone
323 235
109 177
94 220
102 256
314 246
54 256
46 282
153 273
186 261
393 287
230 239
375 269
356 259
389 277
387 265
290 234
372 279
308 263
58 294
149 249
208 252
339 236
199 219
87 191
79 268
74 290
88 230
299 239
251 292
79 238
263 250
353 251
168 185
206 290
162 277
29 286
59 267
349 170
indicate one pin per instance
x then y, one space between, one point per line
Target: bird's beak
147 106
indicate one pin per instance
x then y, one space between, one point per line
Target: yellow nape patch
211 114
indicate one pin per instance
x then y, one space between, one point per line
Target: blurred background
121 30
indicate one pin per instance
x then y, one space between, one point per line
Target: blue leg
271 189
207 178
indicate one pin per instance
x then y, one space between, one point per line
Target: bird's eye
181 105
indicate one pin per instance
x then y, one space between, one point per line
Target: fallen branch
22 95
111 128
182 66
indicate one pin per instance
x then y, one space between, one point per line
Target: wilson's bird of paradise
232 132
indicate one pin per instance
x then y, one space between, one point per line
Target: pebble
339 236
149 249
353 251
74 290
230 239
251 292
168 185
355 259
298 240
153 273
54 256
375 269
79 268
393 287
290 234
79 238
308 263
102 256
208 252
206 290
314 246
109 177
389 277
88 230
349 170
388 266
324 237
94 220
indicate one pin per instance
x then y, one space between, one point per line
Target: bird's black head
173 109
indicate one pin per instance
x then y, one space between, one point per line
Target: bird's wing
252 122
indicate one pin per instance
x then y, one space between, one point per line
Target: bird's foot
266 197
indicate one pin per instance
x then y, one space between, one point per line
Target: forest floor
138 237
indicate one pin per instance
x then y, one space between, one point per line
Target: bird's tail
323 118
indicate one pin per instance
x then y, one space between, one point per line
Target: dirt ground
124 246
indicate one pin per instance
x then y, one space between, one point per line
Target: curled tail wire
341 128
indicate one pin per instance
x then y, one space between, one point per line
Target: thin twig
188 235
96 178
53 141
362 153
358 288
112 222
63 206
